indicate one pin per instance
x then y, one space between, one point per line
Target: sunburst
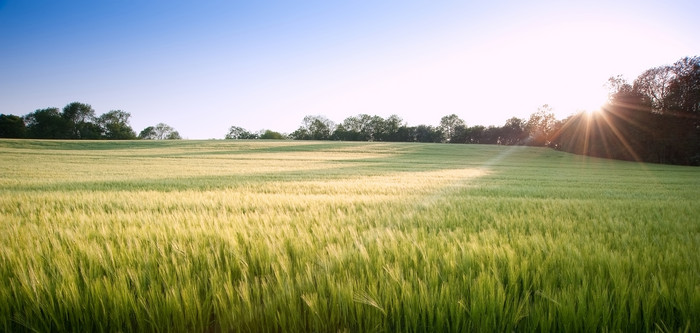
609 131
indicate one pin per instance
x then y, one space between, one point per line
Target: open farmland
319 236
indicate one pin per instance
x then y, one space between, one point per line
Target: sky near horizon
203 66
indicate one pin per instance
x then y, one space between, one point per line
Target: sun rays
616 130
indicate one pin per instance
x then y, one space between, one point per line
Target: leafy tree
448 125
165 132
618 87
376 129
319 127
314 128
271 135
239 133
12 126
80 119
360 128
491 135
46 124
513 132
620 130
634 125
426 133
115 125
683 93
680 131
348 130
148 133
340 133
301 134
392 129
364 127
174 135
159 132
541 126
664 125
405 134
474 134
655 84
460 134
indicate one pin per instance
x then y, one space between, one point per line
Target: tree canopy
239 133
12 126
271 135
314 128
115 125
449 125
80 121
75 121
160 131
654 119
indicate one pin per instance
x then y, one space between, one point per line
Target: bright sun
592 111
580 97
593 100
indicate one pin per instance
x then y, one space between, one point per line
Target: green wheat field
289 236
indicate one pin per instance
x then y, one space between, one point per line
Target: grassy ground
318 236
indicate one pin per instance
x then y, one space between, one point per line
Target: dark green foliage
80 121
115 125
271 135
425 133
449 126
364 127
148 133
12 126
47 124
314 128
174 135
359 128
77 121
514 132
452 129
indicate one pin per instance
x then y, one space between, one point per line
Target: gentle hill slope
334 236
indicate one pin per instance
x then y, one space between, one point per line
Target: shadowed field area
332 236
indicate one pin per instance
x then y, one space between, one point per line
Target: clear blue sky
203 66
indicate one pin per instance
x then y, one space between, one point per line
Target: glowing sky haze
203 66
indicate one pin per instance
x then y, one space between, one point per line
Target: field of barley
256 236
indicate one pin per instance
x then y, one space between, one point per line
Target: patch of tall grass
311 236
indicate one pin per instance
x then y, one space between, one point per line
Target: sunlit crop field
316 236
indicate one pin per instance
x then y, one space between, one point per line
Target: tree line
656 118
79 121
